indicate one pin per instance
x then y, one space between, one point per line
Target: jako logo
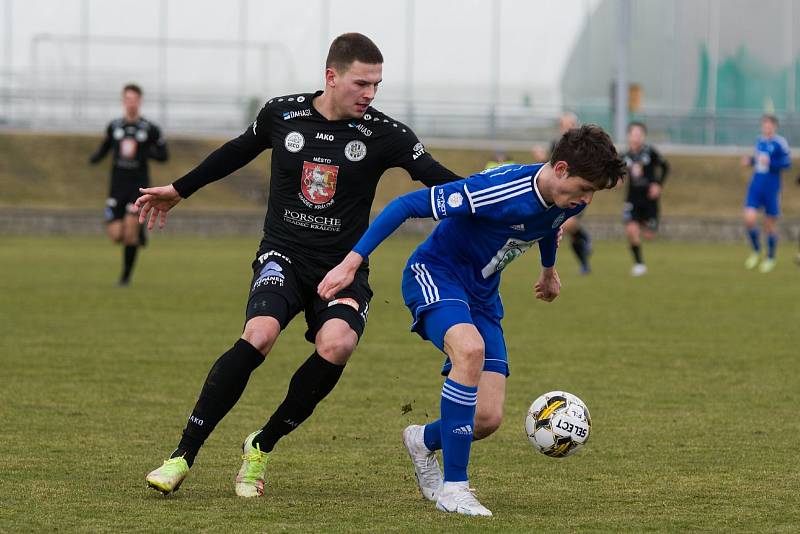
324 136
195 420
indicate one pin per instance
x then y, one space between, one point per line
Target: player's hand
548 286
745 161
340 276
654 191
154 204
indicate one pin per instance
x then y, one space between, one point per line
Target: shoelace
468 498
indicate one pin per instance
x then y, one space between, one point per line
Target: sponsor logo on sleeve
297 113
418 150
294 141
558 220
441 205
361 128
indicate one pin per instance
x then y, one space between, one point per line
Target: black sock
129 257
223 387
579 246
310 384
637 253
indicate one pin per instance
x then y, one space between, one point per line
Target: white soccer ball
558 424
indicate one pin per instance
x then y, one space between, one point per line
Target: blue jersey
770 158
487 221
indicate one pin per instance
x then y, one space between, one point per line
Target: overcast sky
450 40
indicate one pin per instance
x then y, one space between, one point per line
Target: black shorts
642 211
121 203
284 285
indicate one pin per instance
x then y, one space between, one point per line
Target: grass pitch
690 373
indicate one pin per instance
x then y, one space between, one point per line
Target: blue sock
772 240
433 435
755 242
458 420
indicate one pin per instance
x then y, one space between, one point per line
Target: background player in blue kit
451 282
770 158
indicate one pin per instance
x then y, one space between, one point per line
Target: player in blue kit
770 158
451 282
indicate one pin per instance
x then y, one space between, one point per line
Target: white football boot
426 466
458 497
639 269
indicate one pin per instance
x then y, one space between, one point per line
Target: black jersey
324 173
133 143
646 166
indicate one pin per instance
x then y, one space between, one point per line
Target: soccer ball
558 424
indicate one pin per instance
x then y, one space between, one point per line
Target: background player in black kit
647 170
329 149
133 140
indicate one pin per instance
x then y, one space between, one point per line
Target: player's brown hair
350 47
132 87
590 153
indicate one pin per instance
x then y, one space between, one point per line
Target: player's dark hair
132 87
637 124
770 117
350 47
590 153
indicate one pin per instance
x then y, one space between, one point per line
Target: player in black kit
329 149
133 140
647 170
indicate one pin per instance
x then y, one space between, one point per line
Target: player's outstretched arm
414 204
154 203
548 286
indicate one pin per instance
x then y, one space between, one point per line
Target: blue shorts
761 194
438 301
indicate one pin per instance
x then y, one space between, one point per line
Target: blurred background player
647 171
580 240
451 287
500 158
771 156
134 140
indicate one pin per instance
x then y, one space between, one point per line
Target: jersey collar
536 189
